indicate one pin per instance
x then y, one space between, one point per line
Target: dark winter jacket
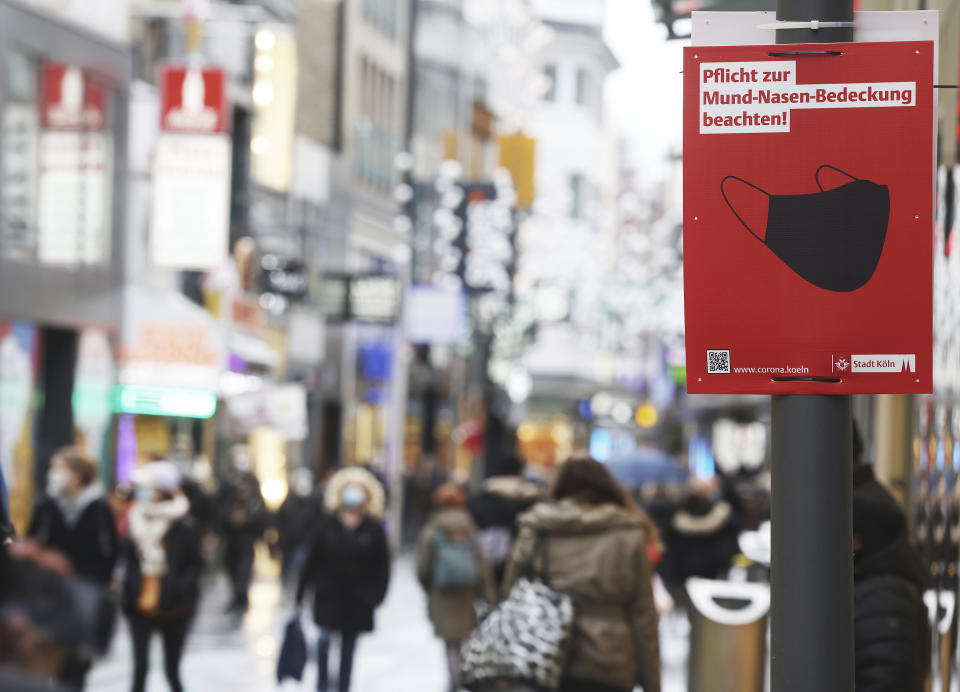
179 586
240 506
348 572
701 540
495 510
297 519
501 500
202 505
890 621
90 541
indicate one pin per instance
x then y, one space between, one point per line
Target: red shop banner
70 100
808 218
193 99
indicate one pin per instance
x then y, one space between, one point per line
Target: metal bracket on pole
813 25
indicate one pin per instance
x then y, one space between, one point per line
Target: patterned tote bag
523 643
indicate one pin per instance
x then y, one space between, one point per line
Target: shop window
583 87
550 72
57 164
576 196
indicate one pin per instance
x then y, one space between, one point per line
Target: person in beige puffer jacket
595 542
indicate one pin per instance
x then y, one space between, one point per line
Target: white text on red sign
758 97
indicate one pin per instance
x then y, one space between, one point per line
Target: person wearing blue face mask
347 569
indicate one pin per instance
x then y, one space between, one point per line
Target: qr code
718 361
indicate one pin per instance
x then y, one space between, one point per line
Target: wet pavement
402 655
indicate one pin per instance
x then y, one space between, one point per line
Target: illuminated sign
373 298
164 401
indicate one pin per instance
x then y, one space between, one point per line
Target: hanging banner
808 218
191 174
75 168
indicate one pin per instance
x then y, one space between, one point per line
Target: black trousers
239 557
174 633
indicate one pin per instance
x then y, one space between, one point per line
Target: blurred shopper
452 569
162 567
296 520
495 509
120 501
41 617
701 537
890 621
6 528
194 471
242 518
347 569
592 539
74 518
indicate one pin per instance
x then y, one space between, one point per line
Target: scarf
149 523
72 508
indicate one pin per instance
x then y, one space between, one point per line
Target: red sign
70 100
808 218
193 99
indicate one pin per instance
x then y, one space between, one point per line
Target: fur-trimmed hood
569 517
354 474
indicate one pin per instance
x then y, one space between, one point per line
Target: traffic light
669 11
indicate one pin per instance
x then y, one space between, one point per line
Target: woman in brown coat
596 547
452 569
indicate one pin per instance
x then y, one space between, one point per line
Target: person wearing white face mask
162 564
73 518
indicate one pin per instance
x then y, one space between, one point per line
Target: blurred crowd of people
622 556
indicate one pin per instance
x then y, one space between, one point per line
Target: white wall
571 138
574 11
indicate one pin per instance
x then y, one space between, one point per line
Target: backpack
455 564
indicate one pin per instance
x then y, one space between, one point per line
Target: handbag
523 643
293 652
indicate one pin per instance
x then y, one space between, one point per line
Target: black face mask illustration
832 238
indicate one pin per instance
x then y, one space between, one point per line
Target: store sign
373 298
164 401
436 315
70 100
282 408
191 174
808 216
19 191
75 168
193 99
167 341
191 202
284 276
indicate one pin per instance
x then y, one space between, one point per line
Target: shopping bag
293 652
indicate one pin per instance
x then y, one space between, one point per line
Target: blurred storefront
919 447
64 142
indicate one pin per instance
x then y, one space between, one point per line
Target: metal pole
811 616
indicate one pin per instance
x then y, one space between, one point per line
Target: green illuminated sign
164 401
